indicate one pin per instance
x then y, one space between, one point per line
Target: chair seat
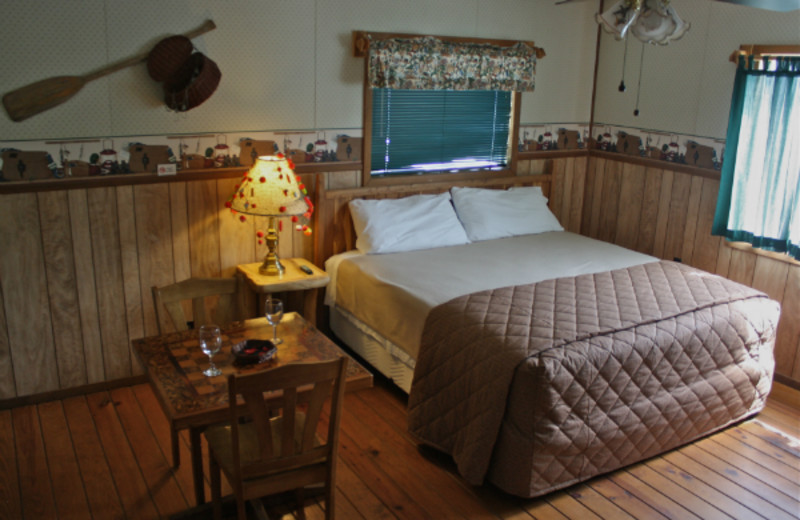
219 440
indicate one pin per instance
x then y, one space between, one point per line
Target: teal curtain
760 184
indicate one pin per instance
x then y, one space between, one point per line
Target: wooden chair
170 298
261 455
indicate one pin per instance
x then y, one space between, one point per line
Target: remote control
305 269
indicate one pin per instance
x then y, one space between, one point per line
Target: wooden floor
106 455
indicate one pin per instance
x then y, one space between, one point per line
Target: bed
535 357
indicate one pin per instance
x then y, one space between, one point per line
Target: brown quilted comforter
543 385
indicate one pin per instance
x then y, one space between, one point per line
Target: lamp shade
270 188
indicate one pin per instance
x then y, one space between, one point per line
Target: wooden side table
292 279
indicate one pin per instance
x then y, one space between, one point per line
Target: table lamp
271 189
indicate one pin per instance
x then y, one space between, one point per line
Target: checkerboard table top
174 364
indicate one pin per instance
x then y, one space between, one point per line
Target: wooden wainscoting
77 267
668 213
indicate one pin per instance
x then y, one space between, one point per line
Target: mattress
389 296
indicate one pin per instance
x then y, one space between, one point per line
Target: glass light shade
650 21
270 188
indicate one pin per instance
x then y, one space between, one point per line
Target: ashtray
254 351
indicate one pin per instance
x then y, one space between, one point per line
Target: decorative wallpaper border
703 152
40 160
69 158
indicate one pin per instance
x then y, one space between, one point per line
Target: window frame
360 47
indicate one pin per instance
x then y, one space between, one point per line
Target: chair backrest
228 307
306 387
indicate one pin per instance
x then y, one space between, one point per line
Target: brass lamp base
272 264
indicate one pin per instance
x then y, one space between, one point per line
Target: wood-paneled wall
77 267
668 213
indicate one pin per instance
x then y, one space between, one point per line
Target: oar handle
207 26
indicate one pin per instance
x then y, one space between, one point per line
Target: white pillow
488 214
406 224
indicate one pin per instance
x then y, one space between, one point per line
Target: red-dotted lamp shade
270 189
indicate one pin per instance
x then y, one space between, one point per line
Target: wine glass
273 308
210 343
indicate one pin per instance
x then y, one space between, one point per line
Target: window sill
748 248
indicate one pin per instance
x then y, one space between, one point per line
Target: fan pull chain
622 87
639 85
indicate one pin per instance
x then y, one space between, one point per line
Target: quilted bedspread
548 384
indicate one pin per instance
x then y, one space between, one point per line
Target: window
759 198
441 104
418 131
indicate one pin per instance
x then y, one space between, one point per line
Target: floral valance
433 64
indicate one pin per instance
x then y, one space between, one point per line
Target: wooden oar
47 93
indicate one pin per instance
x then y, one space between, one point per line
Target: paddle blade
40 96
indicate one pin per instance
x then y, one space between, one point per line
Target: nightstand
292 279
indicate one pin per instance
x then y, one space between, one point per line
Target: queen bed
536 357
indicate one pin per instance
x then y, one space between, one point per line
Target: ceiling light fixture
650 21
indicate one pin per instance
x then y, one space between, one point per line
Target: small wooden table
293 279
174 366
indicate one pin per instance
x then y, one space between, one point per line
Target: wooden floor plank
779 439
725 494
624 499
597 503
34 478
155 464
97 480
701 483
132 489
544 510
668 479
389 403
567 505
782 417
728 470
786 461
344 509
752 461
363 461
68 490
442 492
160 427
500 504
786 395
664 504
352 489
120 443
10 505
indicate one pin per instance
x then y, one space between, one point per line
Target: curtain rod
361 41
764 50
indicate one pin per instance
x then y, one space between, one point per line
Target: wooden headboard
334 226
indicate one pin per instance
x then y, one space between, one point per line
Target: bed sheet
392 294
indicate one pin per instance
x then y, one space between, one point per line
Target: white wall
286 64
687 85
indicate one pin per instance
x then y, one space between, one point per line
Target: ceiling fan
771 5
